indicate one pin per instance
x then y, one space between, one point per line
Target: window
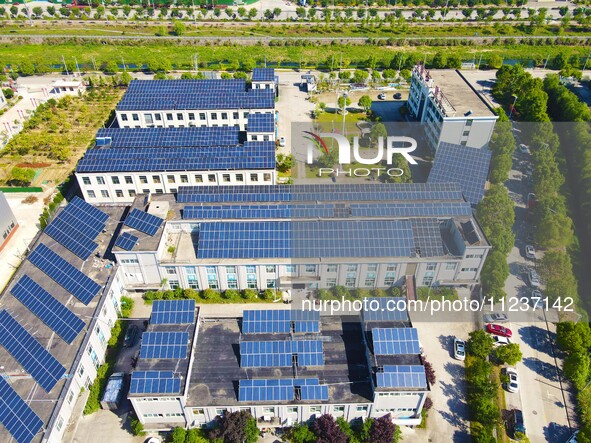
391 267
292 409
339 408
191 116
91 194
266 177
128 180
224 116
184 179
148 119
361 408
169 117
351 279
159 191
202 116
158 117
427 280
370 279
214 116
469 269
119 193
290 269
254 177
310 268
235 115
135 117
331 282
198 412
331 268
198 178
239 177
450 267
105 193
270 268
173 284
170 179
431 266
351 268
473 256
372 267
100 334
59 423
156 179
465 133
170 270
251 281
390 278
469 122
81 371
269 410
94 357
211 178
124 117
143 180
251 269
70 397
131 193
86 180
245 114
179 116
315 409
220 411
226 178
271 283
100 180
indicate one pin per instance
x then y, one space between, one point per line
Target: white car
513 383
459 349
533 278
382 96
530 252
282 142
500 341
524 149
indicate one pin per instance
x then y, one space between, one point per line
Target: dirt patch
34 165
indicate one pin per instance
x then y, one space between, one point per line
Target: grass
501 403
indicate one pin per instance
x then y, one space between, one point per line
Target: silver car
513 383
459 349
533 278
495 318
530 252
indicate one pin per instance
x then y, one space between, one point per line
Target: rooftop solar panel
164 345
71 239
173 312
126 241
263 74
385 309
63 273
463 165
154 382
54 314
33 357
412 376
280 321
260 354
395 341
261 123
144 222
256 390
428 239
16 416
314 393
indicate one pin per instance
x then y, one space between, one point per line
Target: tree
26 68
195 436
284 162
360 76
439 61
8 93
343 102
378 130
178 435
556 271
494 274
236 427
327 431
178 28
300 433
365 102
110 67
51 10
328 160
554 227
38 11
495 61
430 372
576 368
480 344
252 13
241 11
13 11
382 430
509 354
300 12
573 337
248 65
21 176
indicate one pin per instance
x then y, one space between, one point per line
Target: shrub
209 294
126 306
137 428
268 294
249 294
231 294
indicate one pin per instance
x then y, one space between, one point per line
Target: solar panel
286 389
314 393
385 309
395 341
126 241
154 382
263 74
428 239
175 312
16 416
33 357
54 314
463 165
403 376
279 321
261 123
258 211
144 222
280 353
164 345
63 273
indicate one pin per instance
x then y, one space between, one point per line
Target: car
531 200
518 424
524 149
535 296
130 336
533 278
459 349
382 96
513 383
397 96
499 330
530 252
500 341
282 141
573 437
495 318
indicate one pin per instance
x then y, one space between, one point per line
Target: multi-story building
8 222
284 366
306 236
450 108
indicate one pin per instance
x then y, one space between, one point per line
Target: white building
8 222
450 109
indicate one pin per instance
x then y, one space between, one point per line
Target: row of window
8 230
170 116
169 414
172 179
290 410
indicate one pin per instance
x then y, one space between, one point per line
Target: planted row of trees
212 296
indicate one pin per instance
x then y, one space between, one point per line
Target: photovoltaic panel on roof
428 239
403 376
173 312
250 155
71 239
416 209
144 222
279 321
154 382
255 390
41 303
395 341
126 241
25 349
385 309
261 122
260 354
263 74
314 393
305 239
463 165
172 137
258 211
355 192
63 273
164 345
16 416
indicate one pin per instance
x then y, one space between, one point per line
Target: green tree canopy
509 354
365 102
480 344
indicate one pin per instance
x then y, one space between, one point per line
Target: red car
499 330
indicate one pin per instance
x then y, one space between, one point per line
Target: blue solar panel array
385 309
417 209
173 312
54 314
77 226
305 239
16 416
286 389
279 321
171 137
463 165
261 122
395 341
428 238
263 354
63 273
250 155
263 75
154 382
257 211
126 241
357 192
33 357
164 345
143 222
153 95
403 376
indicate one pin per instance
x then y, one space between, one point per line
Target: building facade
8 222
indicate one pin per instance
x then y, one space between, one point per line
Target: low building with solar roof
285 366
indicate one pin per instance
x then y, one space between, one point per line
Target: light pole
344 110
513 107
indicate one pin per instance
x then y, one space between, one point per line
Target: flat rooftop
345 367
96 268
459 93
